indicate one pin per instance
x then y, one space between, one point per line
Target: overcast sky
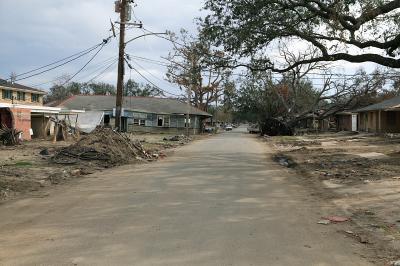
36 32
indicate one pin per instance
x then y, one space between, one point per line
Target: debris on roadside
324 222
396 263
180 138
9 136
103 146
284 160
336 219
360 238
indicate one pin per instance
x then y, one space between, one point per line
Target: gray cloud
36 32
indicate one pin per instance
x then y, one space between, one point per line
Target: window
7 94
35 98
139 122
20 96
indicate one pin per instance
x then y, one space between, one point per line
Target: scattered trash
284 160
336 219
360 238
396 263
181 138
45 152
324 222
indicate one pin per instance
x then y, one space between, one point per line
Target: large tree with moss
352 30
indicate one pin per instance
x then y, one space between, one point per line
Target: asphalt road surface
218 201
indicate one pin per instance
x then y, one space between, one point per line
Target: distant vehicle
253 129
228 127
209 129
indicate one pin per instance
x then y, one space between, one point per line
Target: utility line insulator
117 6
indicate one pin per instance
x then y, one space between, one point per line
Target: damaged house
139 114
21 107
383 117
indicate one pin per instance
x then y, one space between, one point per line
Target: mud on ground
359 173
28 169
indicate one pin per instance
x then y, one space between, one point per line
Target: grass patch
21 164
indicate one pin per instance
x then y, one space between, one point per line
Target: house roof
387 104
139 104
16 86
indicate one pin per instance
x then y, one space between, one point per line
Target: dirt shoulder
360 173
31 167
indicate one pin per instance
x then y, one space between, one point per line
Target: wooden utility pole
121 63
188 110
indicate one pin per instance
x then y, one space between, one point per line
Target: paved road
219 201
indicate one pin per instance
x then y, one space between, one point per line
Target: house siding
379 121
173 124
28 97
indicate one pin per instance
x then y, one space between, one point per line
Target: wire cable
99 67
60 60
149 81
57 66
148 72
87 63
102 72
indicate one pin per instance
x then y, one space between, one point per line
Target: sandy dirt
359 173
28 169
218 201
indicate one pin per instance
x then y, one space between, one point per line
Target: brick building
21 107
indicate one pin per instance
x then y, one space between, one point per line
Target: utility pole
121 6
189 90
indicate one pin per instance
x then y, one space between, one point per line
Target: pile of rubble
179 138
103 146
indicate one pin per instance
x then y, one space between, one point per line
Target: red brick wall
22 121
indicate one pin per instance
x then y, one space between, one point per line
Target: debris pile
9 136
103 146
181 138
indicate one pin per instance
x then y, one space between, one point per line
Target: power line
102 72
62 64
60 60
149 81
87 63
151 74
97 68
162 37
100 67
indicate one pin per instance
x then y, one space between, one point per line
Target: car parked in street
253 129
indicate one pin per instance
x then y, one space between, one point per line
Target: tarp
89 120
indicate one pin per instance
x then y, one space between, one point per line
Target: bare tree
190 69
